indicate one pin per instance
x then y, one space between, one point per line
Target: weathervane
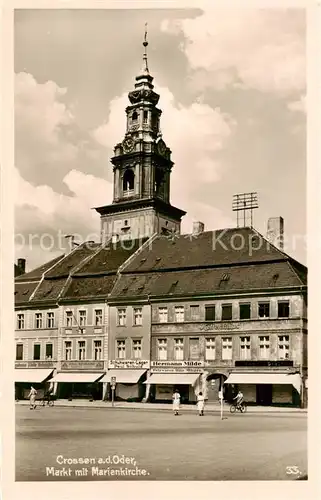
145 43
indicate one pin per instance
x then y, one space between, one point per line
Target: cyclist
239 398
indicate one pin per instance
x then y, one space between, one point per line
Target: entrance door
213 386
264 394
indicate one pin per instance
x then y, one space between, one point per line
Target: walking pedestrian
32 398
200 404
176 401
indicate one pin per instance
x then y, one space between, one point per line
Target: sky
232 87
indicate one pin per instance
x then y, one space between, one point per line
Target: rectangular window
245 347
264 347
264 309
121 317
138 316
209 313
36 351
245 311
38 320
82 318
179 314
162 349
98 317
195 312
21 321
194 348
163 314
81 350
210 348
121 349
69 319
19 352
226 312
137 348
68 350
49 351
179 349
226 347
50 319
97 350
284 309
284 346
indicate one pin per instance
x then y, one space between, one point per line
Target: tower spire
145 44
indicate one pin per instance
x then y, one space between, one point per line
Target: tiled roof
207 281
89 287
110 257
23 291
49 289
211 248
36 274
72 260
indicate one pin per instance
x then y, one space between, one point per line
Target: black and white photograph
160 244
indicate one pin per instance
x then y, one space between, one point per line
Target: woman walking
32 398
176 402
200 404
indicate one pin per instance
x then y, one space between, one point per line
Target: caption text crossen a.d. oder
125 466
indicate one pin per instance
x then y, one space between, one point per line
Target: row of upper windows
81 350
245 311
243 342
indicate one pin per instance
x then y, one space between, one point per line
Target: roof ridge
295 271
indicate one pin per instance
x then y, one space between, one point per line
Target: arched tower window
145 116
128 182
159 179
135 116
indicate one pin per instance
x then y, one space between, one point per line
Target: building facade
155 310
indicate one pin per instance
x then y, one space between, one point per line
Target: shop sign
208 327
34 364
129 363
265 363
82 365
176 370
177 364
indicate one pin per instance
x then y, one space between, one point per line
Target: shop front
166 377
129 377
265 388
35 377
82 385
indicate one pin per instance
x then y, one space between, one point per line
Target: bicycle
241 407
50 402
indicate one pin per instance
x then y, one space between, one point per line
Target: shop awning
35 376
173 378
266 378
123 376
77 377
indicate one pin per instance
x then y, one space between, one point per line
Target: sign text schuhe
129 363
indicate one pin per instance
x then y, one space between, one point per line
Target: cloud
263 49
48 140
44 216
299 105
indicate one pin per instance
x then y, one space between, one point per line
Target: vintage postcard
158 318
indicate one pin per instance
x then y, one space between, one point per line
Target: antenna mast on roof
246 203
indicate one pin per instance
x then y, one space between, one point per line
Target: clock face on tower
161 146
128 145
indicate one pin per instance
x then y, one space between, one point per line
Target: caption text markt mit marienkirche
114 460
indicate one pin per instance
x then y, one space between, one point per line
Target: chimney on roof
22 265
198 227
275 232
71 242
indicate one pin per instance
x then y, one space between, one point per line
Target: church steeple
142 166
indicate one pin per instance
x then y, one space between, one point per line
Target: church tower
142 168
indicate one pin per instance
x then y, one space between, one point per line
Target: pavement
209 408
55 444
